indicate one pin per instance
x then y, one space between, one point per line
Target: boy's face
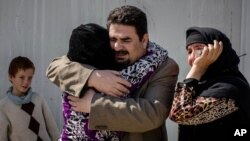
21 81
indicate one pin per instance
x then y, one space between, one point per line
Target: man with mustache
142 116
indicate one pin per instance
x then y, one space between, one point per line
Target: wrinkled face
21 81
194 51
126 44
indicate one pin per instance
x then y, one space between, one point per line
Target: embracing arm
70 76
148 110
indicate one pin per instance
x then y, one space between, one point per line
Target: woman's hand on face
209 55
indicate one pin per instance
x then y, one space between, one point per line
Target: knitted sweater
27 122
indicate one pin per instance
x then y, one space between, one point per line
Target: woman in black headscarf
212 103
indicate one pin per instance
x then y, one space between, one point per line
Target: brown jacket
142 116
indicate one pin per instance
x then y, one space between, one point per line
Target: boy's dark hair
89 44
18 63
129 15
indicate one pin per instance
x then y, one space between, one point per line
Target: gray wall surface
40 30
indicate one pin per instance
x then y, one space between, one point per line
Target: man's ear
145 39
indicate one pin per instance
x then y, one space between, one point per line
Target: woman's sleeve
188 109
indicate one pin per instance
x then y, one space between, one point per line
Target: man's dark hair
129 15
89 44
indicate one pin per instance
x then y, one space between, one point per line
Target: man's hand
109 82
82 104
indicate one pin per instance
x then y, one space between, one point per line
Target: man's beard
122 61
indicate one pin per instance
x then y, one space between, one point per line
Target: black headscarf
225 68
89 44
228 60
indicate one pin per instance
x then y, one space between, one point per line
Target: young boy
24 114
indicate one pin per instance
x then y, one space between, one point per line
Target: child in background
24 114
